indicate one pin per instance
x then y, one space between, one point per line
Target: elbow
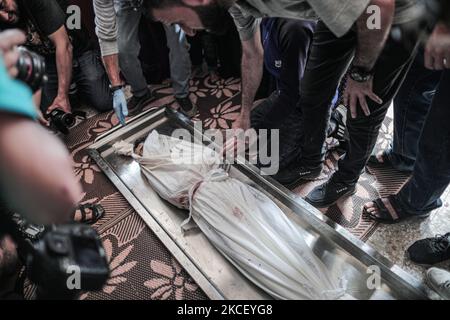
387 7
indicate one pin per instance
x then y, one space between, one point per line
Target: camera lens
31 69
62 121
69 120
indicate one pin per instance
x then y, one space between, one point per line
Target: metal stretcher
336 247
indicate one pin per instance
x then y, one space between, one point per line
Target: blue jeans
422 137
129 14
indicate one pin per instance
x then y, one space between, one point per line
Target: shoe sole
409 219
433 287
299 182
321 205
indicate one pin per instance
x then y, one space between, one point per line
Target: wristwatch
115 88
360 74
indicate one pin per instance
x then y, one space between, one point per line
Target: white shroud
246 226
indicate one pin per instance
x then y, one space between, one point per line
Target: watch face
359 77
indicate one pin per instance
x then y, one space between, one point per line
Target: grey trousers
129 15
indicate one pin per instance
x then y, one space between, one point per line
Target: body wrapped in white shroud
246 226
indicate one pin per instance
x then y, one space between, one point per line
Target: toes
77 216
369 205
372 210
380 157
89 215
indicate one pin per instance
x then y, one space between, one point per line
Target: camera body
66 251
31 69
61 121
55 255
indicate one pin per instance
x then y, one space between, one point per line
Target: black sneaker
296 174
329 193
187 107
136 104
430 251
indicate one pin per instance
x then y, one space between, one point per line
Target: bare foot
372 209
78 216
380 156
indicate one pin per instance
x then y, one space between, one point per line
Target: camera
31 69
55 255
65 251
61 120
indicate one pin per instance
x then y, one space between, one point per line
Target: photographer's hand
120 105
61 102
8 41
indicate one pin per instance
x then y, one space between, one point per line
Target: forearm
371 41
64 68
252 72
111 63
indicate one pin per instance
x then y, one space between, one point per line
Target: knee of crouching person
103 102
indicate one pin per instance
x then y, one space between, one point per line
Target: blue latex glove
120 105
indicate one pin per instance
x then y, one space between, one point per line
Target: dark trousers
90 78
262 117
329 59
204 46
431 174
411 106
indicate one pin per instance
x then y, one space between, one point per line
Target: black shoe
294 175
187 107
430 251
329 193
136 104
